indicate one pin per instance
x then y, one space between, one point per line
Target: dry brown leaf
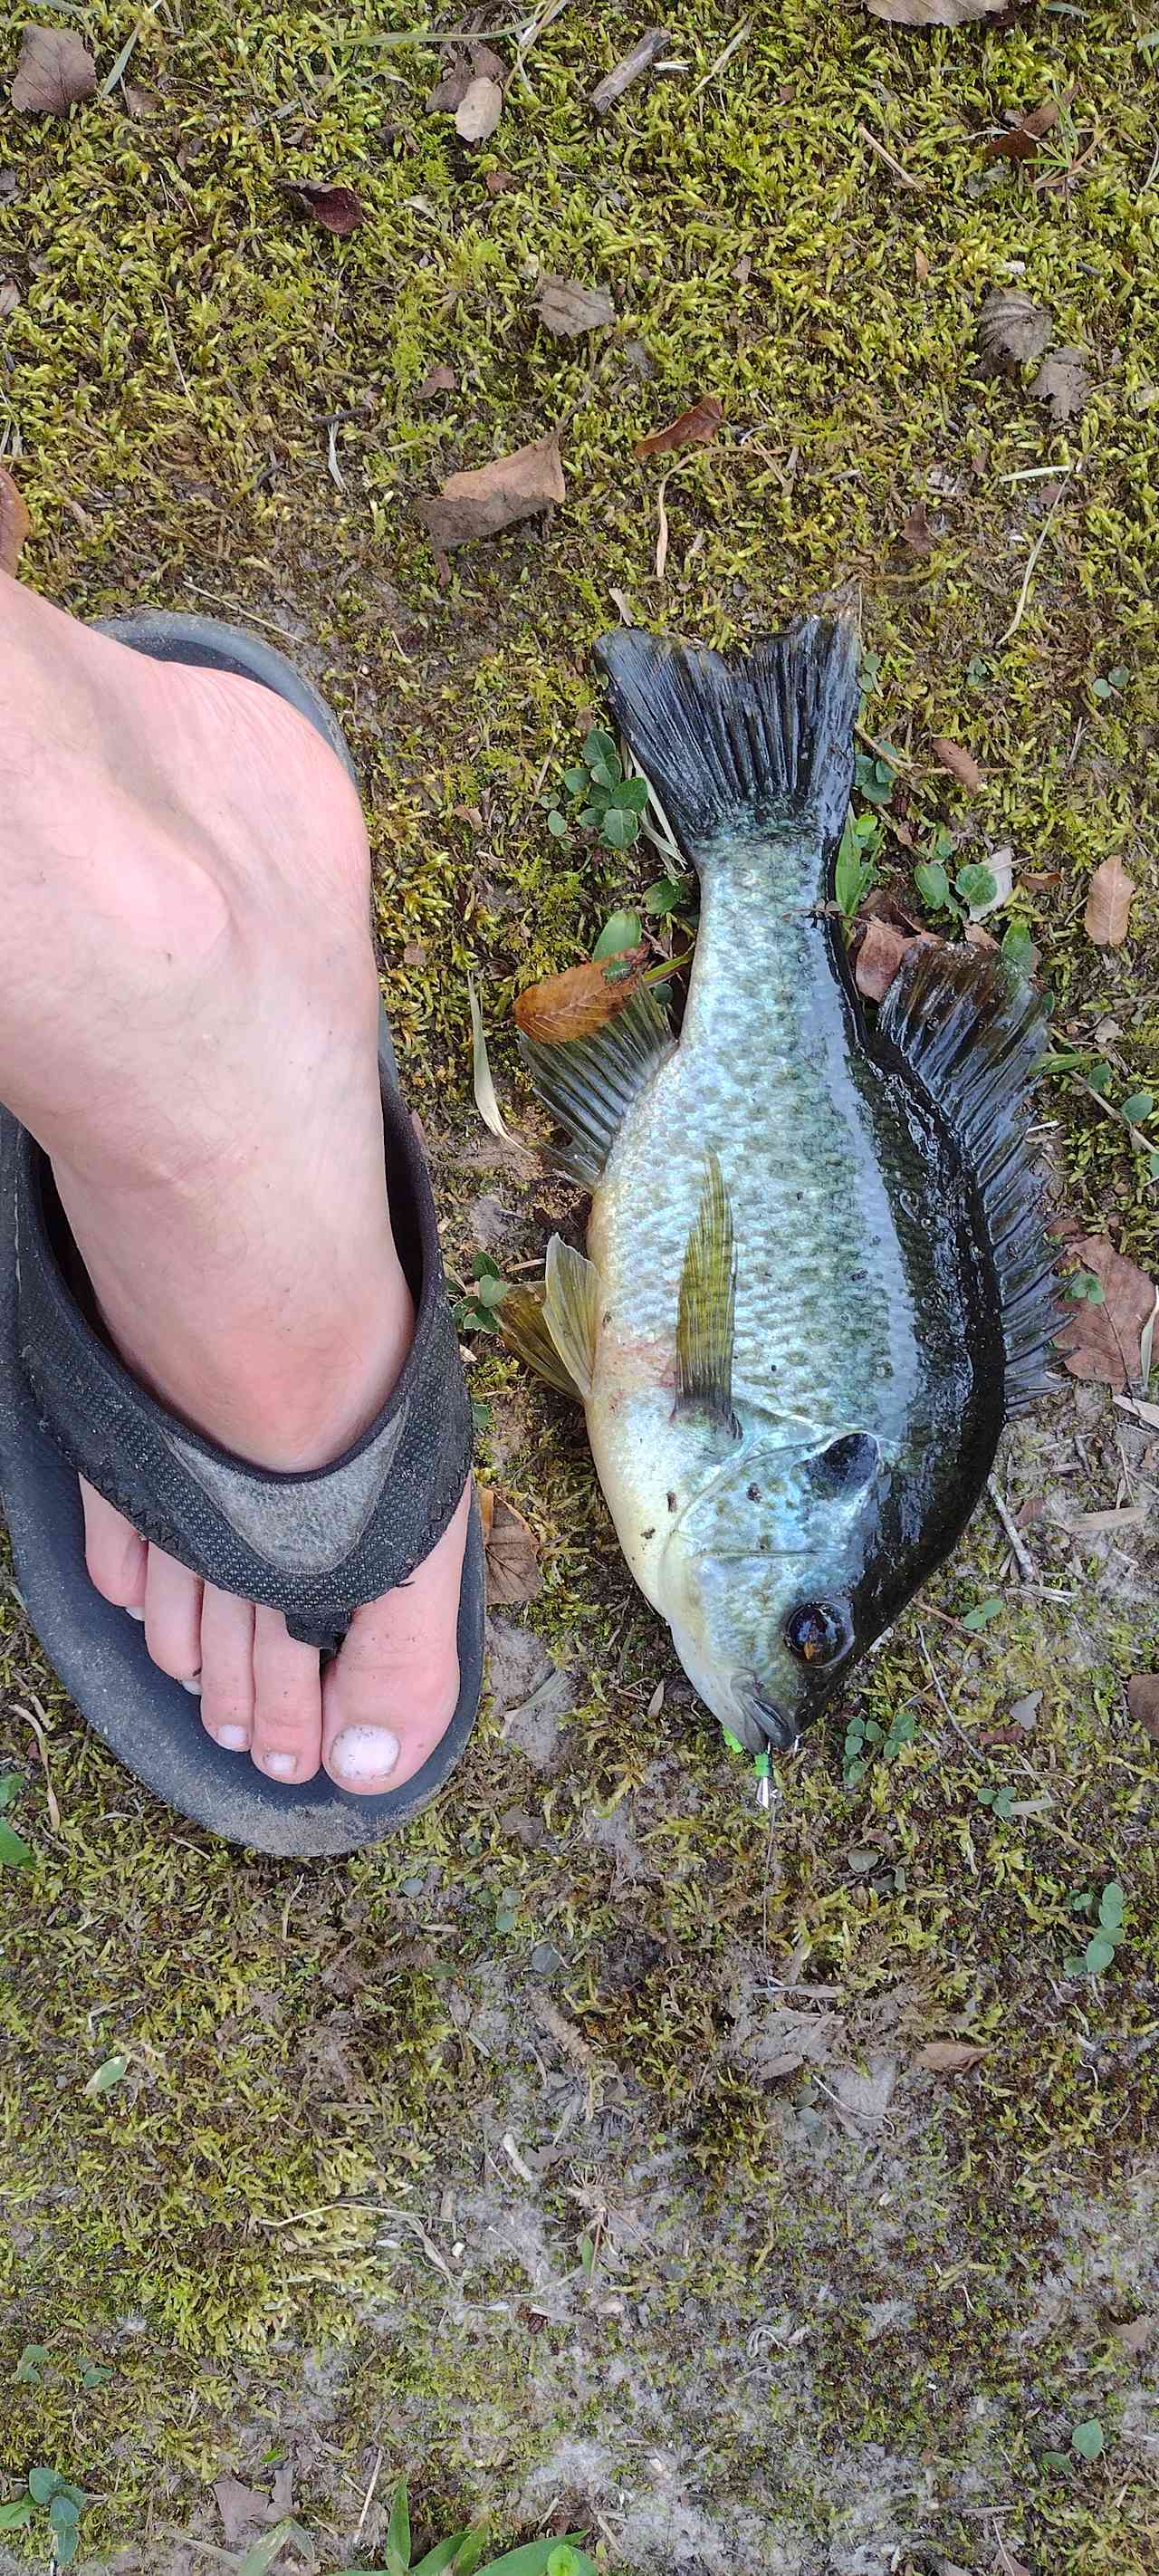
934 13
1063 382
497 182
240 2507
915 531
55 69
9 297
441 380
921 266
494 496
1101 1341
513 1573
1012 328
479 109
15 524
1109 901
1021 142
584 999
566 308
950 2056
450 91
1143 1702
339 210
140 102
694 427
879 957
1138 2331
485 1497
961 764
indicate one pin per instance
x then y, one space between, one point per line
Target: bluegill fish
816 1279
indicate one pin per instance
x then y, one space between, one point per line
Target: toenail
193 1687
364 1752
283 1765
232 1739
135 1614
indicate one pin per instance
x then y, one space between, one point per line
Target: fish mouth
781 1733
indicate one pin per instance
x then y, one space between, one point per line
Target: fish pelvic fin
523 1331
745 741
706 1311
571 1310
971 1029
589 1084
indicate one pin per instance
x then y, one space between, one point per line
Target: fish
816 1280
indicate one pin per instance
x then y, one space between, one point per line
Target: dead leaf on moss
1102 1341
694 427
140 102
950 2056
1143 1702
476 62
340 210
566 308
878 958
960 763
479 109
1063 382
15 524
915 531
54 71
1021 141
1137 2333
241 2508
513 1574
441 380
495 496
934 13
497 182
1109 901
585 998
1012 328
9 297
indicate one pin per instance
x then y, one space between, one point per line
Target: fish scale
816 1276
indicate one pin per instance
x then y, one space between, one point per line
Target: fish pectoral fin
589 1084
571 1311
706 1311
523 1330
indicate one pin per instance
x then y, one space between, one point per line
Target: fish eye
845 1464
819 1632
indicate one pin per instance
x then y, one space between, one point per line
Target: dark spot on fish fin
706 1312
764 737
672 1502
589 1084
523 1330
571 1310
971 1030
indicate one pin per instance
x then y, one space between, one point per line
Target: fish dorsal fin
590 1083
971 1029
523 1331
571 1310
706 1314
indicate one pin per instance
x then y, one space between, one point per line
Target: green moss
309 2051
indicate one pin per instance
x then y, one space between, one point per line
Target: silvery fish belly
816 1278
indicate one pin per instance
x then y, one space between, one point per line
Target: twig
733 46
1022 1556
367 2501
38 1725
1035 552
906 176
632 68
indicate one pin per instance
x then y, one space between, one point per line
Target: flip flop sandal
312 1546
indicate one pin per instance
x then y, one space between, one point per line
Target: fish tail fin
762 738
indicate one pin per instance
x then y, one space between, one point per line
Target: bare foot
195 1045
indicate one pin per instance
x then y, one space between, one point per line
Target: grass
310 2053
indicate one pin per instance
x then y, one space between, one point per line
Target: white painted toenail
136 1614
193 1687
281 1764
232 1739
364 1752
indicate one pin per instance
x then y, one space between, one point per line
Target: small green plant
982 1613
476 1311
48 2493
15 1853
1088 2438
867 1732
1082 1287
1000 1801
875 773
608 801
668 894
461 2554
1114 681
973 888
1100 1950
857 856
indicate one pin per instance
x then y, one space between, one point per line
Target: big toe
389 1697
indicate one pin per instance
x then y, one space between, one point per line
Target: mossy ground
313 2052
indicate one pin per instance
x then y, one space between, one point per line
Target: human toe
227 1669
172 1607
390 1696
114 1553
287 1712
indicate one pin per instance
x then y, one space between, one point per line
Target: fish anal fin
706 1309
523 1331
571 1311
971 1030
589 1084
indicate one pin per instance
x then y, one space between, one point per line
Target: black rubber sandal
313 1546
